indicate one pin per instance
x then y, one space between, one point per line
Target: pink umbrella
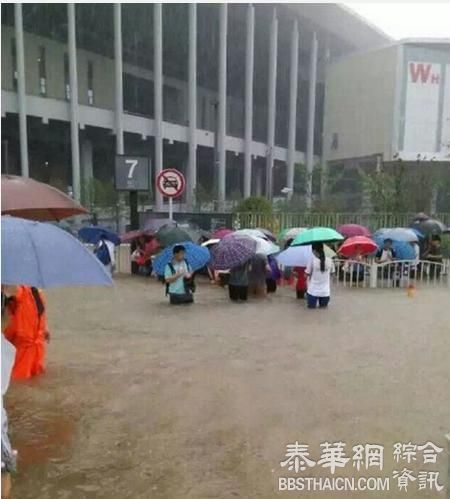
352 230
221 233
27 198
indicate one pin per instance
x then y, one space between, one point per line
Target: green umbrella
317 235
169 235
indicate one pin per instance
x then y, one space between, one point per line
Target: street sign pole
134 215
170 208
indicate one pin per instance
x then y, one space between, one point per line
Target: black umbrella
429 227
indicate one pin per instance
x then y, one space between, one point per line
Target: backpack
189 284
102 253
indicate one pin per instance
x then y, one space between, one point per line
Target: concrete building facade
232 95
388 105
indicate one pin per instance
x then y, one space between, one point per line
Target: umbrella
27 198
93 233
398 234
221 233
357 245
250 232
210 242
42 255
171 234
403 249
429 227
291 233
300 256
130 236
317 235
420 217
154 224
264 247
196 256
232 252
351 230
268 234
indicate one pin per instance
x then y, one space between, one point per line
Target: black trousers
237 292
271 285
180 299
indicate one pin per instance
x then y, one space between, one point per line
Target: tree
255 204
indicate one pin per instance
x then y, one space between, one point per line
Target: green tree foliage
255 204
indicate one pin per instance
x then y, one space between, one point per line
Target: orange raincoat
27 332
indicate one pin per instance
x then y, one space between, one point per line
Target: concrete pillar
192 111
21 92
158 76
222 117
292 108
74 123
272 94
259 181
249 69
311 119
118 66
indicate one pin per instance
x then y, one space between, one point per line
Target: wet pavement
143 400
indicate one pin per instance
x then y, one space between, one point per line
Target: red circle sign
170 183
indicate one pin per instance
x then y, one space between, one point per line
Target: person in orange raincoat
27 331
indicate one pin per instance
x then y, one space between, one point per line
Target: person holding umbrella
319 272
433 254
178 278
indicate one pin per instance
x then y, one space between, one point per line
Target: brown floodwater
142 400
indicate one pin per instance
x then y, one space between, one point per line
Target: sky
407 20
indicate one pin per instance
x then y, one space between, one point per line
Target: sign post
171 184
132 175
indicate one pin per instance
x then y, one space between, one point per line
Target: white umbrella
211 242
300 256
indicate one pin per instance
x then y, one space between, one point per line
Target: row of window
42 73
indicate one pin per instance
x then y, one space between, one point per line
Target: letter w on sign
422 72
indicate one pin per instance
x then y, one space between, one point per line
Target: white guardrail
400 274
352 274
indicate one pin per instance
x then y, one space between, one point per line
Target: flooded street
141 400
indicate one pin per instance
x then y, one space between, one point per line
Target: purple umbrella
232 251
154 224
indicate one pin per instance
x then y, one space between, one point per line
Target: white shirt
319 282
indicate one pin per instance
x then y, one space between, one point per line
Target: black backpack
189 284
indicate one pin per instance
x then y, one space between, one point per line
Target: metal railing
278 221
398 274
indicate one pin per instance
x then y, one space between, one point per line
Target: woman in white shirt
319 272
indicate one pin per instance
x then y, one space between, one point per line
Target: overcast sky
407 20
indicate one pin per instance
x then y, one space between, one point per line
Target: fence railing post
373 275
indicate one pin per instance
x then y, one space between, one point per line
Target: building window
90 78
14 62
42 72
66 77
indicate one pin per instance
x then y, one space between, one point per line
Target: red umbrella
130 236
221 233
26 198
351 230
357 245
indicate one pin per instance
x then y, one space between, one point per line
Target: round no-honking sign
170 183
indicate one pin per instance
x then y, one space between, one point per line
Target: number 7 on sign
133 163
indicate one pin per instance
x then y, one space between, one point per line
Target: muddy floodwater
142 400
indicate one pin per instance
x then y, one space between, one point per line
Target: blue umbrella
403 249
196 256
93 233
42 255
